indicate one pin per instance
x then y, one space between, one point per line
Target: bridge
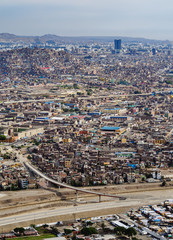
39 173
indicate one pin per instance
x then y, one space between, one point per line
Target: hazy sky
136 18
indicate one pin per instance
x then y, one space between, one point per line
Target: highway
135 199
64 211
80 98
84 98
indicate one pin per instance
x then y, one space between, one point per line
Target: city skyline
149 19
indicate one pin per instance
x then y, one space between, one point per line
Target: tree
45 225
19 230
65 109
134 238
89 223
103 226
137 92
143 179
75 86
163 183
79 93
67 231
32 226
74 237
3 137
130 232
29 157
55 231
76 183
89 93
88 231
119 230
6 156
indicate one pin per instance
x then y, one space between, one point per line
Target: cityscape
86 120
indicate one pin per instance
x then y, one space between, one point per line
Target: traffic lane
134 200
64 211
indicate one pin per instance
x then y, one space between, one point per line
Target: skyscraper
154 51
117 45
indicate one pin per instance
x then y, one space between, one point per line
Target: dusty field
12 203
71 212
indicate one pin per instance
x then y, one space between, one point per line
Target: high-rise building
154 51
117 44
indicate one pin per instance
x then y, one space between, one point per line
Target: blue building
117 45
109 128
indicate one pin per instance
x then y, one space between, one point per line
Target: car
122 198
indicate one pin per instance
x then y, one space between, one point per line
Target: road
62 211
134 200
80 98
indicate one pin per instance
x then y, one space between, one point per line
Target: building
23 183
117 45
154 51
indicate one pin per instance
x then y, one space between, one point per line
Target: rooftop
108 128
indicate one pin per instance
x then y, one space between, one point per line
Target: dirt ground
35 202
16 202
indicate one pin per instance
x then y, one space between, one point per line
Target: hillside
37 63
65 39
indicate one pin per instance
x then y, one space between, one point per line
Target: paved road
134 200
81 98
64 211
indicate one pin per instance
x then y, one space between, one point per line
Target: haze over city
132 18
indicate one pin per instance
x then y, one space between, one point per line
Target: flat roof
108 128
112 108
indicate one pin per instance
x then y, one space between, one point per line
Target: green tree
3 137
130 232
137 92
54 231
6 156
79 93
65 109
103 226
74 237
88 231
19 230
32 226
163 183
143 179
89 223
67 231
45 225
75 86
29 157
119 230
134 238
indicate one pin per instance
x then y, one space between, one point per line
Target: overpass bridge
39 173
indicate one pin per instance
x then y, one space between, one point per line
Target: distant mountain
12 37
48 37
51 37
7 36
